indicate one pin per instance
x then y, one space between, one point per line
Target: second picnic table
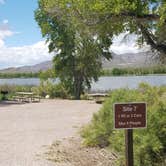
99 97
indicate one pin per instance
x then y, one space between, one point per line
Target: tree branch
150 39
99 20
141 17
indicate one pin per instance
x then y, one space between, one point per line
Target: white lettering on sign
122 123
130 116
134 123
136 115
129 123
129 108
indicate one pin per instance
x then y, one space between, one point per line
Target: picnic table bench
26 97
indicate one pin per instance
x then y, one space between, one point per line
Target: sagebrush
149 143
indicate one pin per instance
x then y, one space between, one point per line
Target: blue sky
20 17
21 42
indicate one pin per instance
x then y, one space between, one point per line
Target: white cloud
125 43
20 56
26 55
2 1
5 33
1 43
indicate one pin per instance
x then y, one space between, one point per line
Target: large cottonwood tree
78 61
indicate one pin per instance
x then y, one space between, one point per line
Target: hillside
28 69
122 60
129 60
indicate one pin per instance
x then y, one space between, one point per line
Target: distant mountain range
28 69
141 59
123 60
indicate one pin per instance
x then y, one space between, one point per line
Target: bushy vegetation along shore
45 88
149 143
11 89
105 72
135 71
19 75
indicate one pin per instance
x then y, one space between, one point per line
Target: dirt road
27 129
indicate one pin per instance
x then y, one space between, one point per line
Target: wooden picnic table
25 93
98 94
26 97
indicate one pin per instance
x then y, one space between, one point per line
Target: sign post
129 116
129 147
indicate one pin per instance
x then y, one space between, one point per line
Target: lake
104 83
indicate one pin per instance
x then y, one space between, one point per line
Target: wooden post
129 147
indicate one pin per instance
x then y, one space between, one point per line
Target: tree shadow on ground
6 103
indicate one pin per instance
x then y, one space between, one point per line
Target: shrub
45 88
12 89
6 88
117 71
15 88
1 97
51 89
150 143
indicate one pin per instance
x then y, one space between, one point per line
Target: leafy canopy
104 17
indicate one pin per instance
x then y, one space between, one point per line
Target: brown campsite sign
129 115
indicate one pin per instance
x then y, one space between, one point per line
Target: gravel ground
26 130
70 152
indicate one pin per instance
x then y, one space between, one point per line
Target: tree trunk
78 81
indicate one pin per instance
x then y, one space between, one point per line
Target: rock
47 96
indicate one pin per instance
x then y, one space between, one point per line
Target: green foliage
53 90
150 143
46 87
1 97
44 75
118 71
